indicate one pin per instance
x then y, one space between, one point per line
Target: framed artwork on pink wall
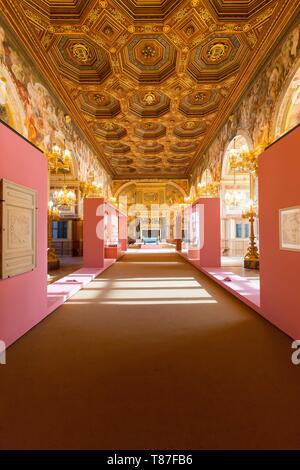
290 228
18 223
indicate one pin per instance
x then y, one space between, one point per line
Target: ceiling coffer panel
149 59
238 10
144 10
60 11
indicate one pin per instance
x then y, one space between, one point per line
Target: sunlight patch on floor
157 294
158 302
144 302
158 283
145 291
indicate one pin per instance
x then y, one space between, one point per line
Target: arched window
235 196
206 177
239 144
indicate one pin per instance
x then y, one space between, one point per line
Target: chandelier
64 198
59 159
251 211
244 160
53 211
209 188
91 187
236 198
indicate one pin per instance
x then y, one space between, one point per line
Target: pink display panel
93 232
210 255
23 298
205 232
279 188
102 228
123 231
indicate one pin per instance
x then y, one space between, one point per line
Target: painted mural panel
27 105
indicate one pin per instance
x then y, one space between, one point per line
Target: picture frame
289 227
18 226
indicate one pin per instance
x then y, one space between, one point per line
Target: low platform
245 289
63 289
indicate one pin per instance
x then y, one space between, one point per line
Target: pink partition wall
209 252
279 188
93 232
23 298
195 225
123 231
97 214
210 255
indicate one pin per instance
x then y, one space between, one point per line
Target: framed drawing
290 229
17 229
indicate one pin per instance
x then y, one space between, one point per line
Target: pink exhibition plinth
245 289
63 289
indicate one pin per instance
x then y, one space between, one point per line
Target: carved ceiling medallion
190 30
217 51
150 98
149 52
99 99
81 52
148 125
109 126
108 31
189 125
199 97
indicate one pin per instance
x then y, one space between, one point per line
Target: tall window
247 230
242 230
239 231
60 229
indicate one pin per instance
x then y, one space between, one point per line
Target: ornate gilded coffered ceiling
149 82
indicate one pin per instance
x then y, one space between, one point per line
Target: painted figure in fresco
289 49
3 93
